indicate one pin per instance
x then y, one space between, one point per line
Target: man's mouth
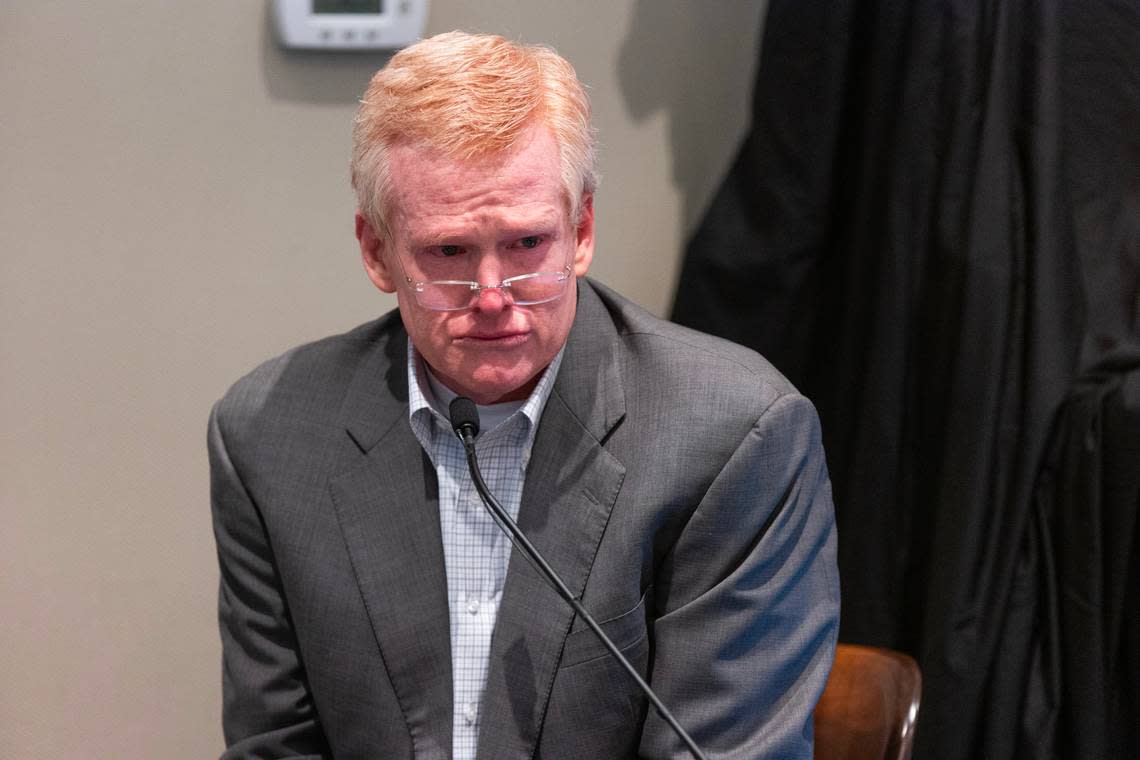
499 339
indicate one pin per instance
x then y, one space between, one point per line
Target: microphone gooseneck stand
465 422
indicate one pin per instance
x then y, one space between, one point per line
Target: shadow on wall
697 62
292 75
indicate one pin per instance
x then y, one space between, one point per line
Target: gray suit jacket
677 483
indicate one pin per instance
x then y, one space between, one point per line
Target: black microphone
464 418
465 422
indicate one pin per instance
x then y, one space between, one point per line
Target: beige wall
174 208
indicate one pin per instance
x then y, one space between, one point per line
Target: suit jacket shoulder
313 390
700 382
306 377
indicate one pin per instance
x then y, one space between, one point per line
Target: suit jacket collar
378 395
571 486
387 505
589 380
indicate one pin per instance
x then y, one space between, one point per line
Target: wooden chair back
869 706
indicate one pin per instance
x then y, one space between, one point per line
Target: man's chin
501 387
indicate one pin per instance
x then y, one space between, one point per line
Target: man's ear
584 249
372 247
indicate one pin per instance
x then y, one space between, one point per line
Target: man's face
482 221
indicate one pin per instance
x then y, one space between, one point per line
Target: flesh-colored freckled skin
495 351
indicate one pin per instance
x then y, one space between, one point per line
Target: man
369 606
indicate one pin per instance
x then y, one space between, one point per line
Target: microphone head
464 416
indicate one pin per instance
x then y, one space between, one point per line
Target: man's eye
448 250
530 241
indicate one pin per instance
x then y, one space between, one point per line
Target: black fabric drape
931 228
1086 515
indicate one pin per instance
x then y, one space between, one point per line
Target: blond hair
470 96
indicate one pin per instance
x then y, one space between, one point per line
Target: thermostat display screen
348 6
347 24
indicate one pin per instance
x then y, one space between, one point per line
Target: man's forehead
522 188
531 219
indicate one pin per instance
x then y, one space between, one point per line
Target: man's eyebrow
445 237
544 225
427 241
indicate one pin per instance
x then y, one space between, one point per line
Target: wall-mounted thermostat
349 24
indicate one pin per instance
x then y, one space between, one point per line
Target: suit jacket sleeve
267 711
748 599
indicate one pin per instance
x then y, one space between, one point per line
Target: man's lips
500 338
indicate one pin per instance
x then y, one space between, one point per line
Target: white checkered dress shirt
475 551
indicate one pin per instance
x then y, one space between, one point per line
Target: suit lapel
387 505
571 485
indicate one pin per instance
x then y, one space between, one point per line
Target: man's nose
491 299
488 269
